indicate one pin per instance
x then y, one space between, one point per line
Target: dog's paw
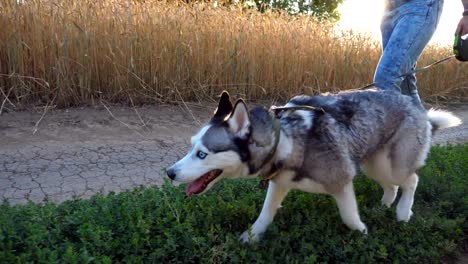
361 227
249 237
358 226
364 231
387 203
404 216
389 196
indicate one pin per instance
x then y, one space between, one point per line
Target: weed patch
162 225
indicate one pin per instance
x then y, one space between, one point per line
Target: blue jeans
407 26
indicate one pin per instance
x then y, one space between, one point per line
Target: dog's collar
267 175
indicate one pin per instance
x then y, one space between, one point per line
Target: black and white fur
383 132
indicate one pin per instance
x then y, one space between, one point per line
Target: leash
460 51
411 72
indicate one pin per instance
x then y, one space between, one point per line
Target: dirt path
78 152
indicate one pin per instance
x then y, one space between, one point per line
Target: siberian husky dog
315 144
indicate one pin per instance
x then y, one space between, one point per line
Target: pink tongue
196 186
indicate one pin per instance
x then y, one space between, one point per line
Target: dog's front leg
346 201
275 196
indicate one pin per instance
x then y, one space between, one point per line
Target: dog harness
266 176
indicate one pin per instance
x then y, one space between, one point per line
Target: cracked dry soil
78 152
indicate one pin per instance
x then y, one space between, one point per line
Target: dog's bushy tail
442 119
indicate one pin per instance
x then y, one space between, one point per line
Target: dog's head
224 148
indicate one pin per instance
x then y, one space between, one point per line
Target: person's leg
387 24
406 29
408 85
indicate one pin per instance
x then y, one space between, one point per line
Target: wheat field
74 52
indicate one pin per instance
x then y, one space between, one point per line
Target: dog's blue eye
201 154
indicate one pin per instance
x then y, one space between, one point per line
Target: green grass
162 225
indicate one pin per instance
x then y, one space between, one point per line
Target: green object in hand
460 48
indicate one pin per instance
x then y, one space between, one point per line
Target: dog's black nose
171 174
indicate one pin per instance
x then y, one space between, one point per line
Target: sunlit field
80 52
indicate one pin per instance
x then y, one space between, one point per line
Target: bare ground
80 151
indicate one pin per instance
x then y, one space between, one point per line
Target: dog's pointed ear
224 106
239 121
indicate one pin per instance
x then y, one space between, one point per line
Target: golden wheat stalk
156 51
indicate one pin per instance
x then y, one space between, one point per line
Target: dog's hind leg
379 168
407 198
275 196
390 193
409 154
347 205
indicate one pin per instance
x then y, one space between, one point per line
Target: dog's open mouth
199 185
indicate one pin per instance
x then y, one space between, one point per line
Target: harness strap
279 109
266 176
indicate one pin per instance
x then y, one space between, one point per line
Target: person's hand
462 28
